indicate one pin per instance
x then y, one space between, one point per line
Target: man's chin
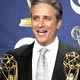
42 42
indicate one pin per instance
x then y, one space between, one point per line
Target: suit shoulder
69 47
19 51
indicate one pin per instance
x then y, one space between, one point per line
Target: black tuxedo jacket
23 55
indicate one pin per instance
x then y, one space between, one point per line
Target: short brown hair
56 4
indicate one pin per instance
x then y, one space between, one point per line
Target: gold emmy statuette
71 65
9 67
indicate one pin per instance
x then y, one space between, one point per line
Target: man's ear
59 24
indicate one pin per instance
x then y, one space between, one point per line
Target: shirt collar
51 47
37 47
54 45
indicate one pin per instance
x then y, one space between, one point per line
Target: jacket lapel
58 72
26 64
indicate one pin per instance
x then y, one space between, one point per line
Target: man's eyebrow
35 15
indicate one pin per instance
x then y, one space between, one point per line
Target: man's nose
41 23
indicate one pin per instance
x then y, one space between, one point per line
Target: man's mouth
41 32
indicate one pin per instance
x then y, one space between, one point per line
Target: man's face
44 23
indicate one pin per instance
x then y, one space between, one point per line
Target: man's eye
47 18
35 18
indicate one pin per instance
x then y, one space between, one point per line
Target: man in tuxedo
46 17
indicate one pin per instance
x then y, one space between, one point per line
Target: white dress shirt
50 56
